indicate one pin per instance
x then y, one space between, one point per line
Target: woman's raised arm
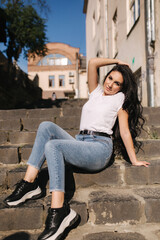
93 65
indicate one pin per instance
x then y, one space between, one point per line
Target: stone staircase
120 203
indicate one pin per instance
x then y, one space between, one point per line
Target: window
134 12
51 61
115 34
71 81
54 59
61 80
71 74
52 81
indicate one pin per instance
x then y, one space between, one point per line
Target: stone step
67 118
17 137
111 235
93 232
150 148
151 110
15 129
120 174
150 132
20 235
56 110
124 206
15 153
28 136
31 124
115 232
74 102
40 113
96 206
151 114
121 196
21 137
70 122
153 119
32 214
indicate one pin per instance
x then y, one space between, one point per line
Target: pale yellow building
61 73
128 30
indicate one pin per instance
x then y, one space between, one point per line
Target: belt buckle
83 132
92 133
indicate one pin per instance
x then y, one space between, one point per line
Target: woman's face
113 83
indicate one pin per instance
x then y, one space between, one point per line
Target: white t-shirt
99 113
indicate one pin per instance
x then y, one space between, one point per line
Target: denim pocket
105 140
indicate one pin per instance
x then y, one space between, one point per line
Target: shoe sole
30 195
67 222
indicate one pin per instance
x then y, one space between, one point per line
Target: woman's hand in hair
141 163
93 65
123 63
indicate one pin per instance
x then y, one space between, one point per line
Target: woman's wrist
134 162
134 159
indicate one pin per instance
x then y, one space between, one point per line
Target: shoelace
16 184
50 217
19 186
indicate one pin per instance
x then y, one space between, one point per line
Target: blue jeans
58 148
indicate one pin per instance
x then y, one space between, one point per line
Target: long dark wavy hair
132 106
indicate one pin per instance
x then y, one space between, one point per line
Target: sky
65 22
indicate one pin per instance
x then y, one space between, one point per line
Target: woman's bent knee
45 125
52 145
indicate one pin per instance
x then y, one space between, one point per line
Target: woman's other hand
141 163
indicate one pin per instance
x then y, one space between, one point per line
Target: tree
2 26
42 4
25 30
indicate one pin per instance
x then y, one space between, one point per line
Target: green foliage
25 30
42 4
154 135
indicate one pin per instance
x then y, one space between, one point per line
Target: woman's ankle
28 180
31 174
57 199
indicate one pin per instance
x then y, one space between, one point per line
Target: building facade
128 30
61 73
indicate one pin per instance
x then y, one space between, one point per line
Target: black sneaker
23 191
57 221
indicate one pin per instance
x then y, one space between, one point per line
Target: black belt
88 132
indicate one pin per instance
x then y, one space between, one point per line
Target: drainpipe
77 76
153 37
150 43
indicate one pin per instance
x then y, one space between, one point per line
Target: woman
92 148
